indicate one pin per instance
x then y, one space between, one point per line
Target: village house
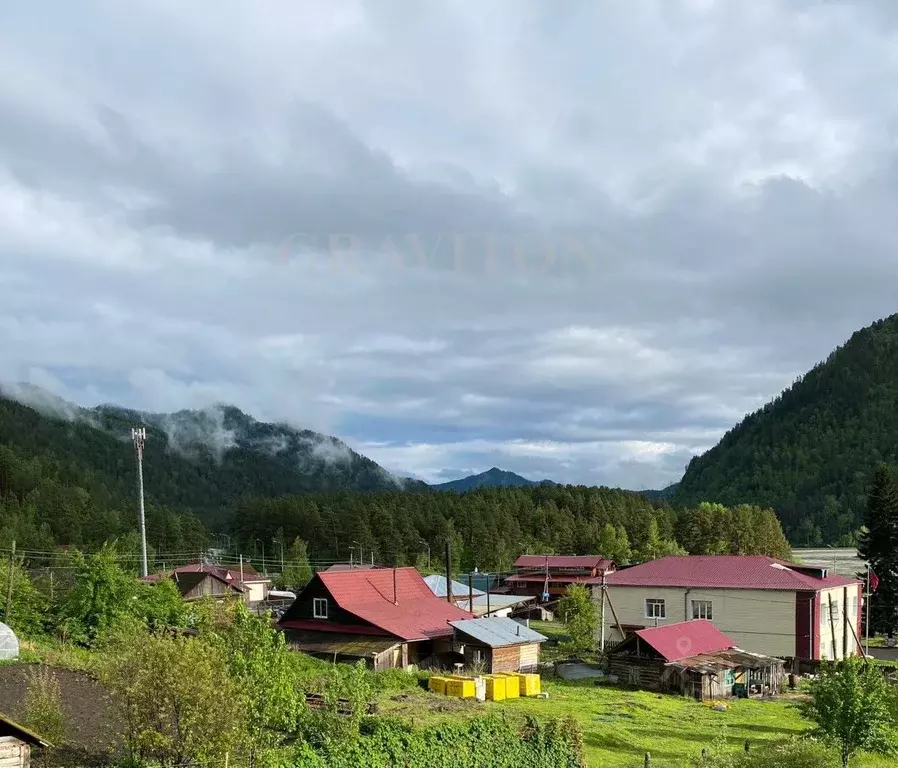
497 645
694 658
387 616
16 742
476 601
533 572
199 580
774 607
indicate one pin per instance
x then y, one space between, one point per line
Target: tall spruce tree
878 546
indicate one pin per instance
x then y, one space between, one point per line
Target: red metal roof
419 614
563 561
685 639
722 572
225 572
553 577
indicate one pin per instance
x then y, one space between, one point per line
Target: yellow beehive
437 684
530 684
460 688
496 687
512 685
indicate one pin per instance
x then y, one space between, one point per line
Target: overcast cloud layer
577 240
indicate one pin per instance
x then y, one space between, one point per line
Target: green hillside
810 453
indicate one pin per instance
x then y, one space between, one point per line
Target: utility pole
546 587
602 616
139 436
9 577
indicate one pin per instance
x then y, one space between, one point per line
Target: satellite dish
9 643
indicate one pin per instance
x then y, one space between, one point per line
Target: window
654 609
319 607
701 609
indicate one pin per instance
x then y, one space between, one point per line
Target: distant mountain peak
492 478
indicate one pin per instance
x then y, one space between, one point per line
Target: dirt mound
93 724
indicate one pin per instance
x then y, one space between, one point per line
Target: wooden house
498 644
387 616
693 658
16 742
553 574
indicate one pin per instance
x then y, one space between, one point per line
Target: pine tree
878 546
297 570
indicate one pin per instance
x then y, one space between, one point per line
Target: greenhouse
9 643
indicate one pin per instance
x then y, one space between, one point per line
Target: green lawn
619 725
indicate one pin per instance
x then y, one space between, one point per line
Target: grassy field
619 725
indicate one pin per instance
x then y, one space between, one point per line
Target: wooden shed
16 742
693 658
498 644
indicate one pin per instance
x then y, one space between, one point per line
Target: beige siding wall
835 630
761 621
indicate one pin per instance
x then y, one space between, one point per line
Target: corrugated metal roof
722 572
496 632
437 584
562 561
416 614
494 602
686 639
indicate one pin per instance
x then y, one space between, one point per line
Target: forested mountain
811 452
664 493
70 479
487 528
492 478
68 474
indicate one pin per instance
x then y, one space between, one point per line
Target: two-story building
534 572
773 607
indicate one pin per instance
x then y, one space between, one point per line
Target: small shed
16 742
693 658
499 644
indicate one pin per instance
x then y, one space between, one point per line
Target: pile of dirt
93 724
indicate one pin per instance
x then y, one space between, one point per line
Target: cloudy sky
577 240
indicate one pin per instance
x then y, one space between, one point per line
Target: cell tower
139 436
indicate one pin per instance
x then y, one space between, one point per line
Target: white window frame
702 609
317 612
655 603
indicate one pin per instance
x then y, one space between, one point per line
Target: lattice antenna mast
139 436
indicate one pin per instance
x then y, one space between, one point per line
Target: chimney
395 593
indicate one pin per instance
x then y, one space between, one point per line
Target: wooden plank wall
14 753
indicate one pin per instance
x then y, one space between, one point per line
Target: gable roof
227 572
563 561
685 639
418 613
498 632
10 727
724 572
437 584
187 580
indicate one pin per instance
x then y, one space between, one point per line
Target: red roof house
532 572
388 616
198 580
783 609
696 659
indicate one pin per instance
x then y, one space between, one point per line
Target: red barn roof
225 572
368 594
563 561
685 639
725 572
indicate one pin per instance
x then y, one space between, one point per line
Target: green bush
481 743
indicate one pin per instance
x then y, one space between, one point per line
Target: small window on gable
319 607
